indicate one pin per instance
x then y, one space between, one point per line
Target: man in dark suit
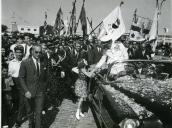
98 52
33 78
90 54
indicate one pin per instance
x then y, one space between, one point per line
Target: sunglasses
38 52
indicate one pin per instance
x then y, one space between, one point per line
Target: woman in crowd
81 86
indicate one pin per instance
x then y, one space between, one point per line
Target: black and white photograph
86 64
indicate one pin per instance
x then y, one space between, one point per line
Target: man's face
11 56
4 72
19 54
19 41
44 48
77 47
117 47
3 51
27 40
36 52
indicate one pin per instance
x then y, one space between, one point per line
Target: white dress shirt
13 68
34 60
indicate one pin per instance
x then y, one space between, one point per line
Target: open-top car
142 98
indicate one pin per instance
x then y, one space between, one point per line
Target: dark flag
45 27
59 24
72 23
83 20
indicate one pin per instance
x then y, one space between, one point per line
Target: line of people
33 70
26 88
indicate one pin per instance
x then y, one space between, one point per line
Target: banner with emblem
140 28
113 26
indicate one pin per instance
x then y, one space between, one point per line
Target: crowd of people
37 72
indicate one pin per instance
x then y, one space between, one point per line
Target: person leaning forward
33 78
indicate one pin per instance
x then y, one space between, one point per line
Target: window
22 29
35 30
28 29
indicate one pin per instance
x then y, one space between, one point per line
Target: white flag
113 26
153 31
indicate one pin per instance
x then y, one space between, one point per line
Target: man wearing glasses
33 78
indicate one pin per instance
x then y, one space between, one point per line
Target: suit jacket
29 81
74 58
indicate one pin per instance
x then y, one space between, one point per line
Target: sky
31 12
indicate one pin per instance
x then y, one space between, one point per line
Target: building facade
28 29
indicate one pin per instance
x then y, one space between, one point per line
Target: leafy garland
119 97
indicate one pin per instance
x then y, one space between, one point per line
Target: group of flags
112 27
62 27
141 28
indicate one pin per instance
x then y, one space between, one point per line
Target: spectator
13 71
6 96
27 46
33 81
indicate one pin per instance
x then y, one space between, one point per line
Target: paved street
64 117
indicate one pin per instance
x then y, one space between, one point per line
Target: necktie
25 49
37 67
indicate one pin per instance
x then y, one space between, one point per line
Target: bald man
33 78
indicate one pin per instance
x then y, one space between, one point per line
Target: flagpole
95 28
90 25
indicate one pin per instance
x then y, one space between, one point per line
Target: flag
153 31
82 18
59 24
113 26
72 23
140 28
45 27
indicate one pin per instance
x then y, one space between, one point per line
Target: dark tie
37 67
25 49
